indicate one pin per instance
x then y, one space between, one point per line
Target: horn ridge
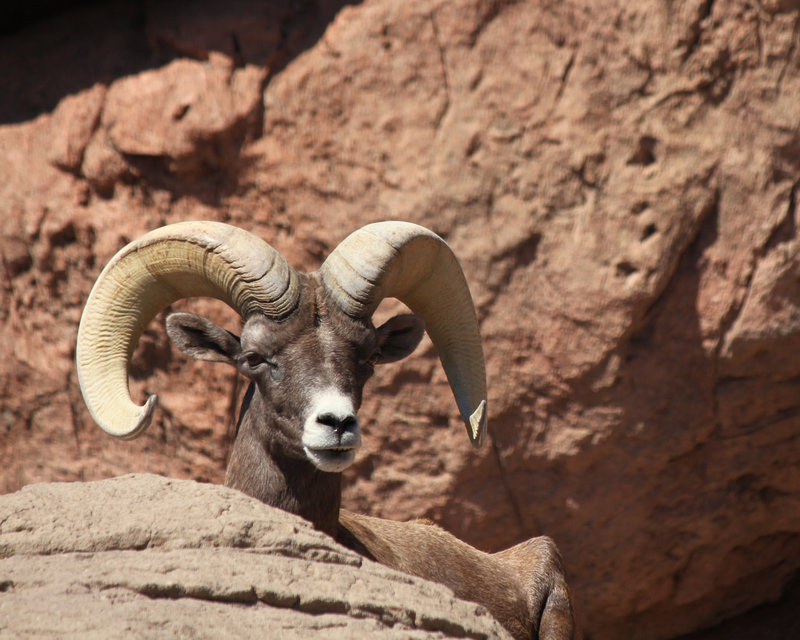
181 260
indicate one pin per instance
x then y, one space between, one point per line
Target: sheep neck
260 467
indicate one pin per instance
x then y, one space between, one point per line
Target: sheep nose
339 424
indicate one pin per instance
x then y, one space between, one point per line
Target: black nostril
335 422
328 419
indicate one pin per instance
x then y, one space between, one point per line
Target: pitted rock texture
620 181
141 556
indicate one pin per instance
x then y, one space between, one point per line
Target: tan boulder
141 556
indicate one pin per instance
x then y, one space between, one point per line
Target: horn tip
143 421
477 425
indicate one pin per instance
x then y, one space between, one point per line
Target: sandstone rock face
141 556
619 179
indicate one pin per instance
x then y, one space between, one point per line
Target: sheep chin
331 460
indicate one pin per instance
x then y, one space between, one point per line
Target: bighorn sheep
308 346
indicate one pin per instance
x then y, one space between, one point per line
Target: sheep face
308 373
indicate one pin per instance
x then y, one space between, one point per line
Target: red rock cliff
619 179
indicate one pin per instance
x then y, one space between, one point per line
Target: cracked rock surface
620 181
141 556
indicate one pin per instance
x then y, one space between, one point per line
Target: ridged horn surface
408 262
177 261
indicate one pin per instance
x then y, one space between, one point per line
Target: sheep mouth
331 459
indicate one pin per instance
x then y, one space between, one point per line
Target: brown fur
523 587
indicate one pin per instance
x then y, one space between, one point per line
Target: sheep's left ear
398 337
201 339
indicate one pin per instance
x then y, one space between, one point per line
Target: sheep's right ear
201 339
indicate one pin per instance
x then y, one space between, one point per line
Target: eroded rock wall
620 181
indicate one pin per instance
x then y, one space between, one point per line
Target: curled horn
176 261
414 265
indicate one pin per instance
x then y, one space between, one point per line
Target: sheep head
309 370
310 334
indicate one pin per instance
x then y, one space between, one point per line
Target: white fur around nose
328 448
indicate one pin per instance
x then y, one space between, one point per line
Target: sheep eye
253 359
374 358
